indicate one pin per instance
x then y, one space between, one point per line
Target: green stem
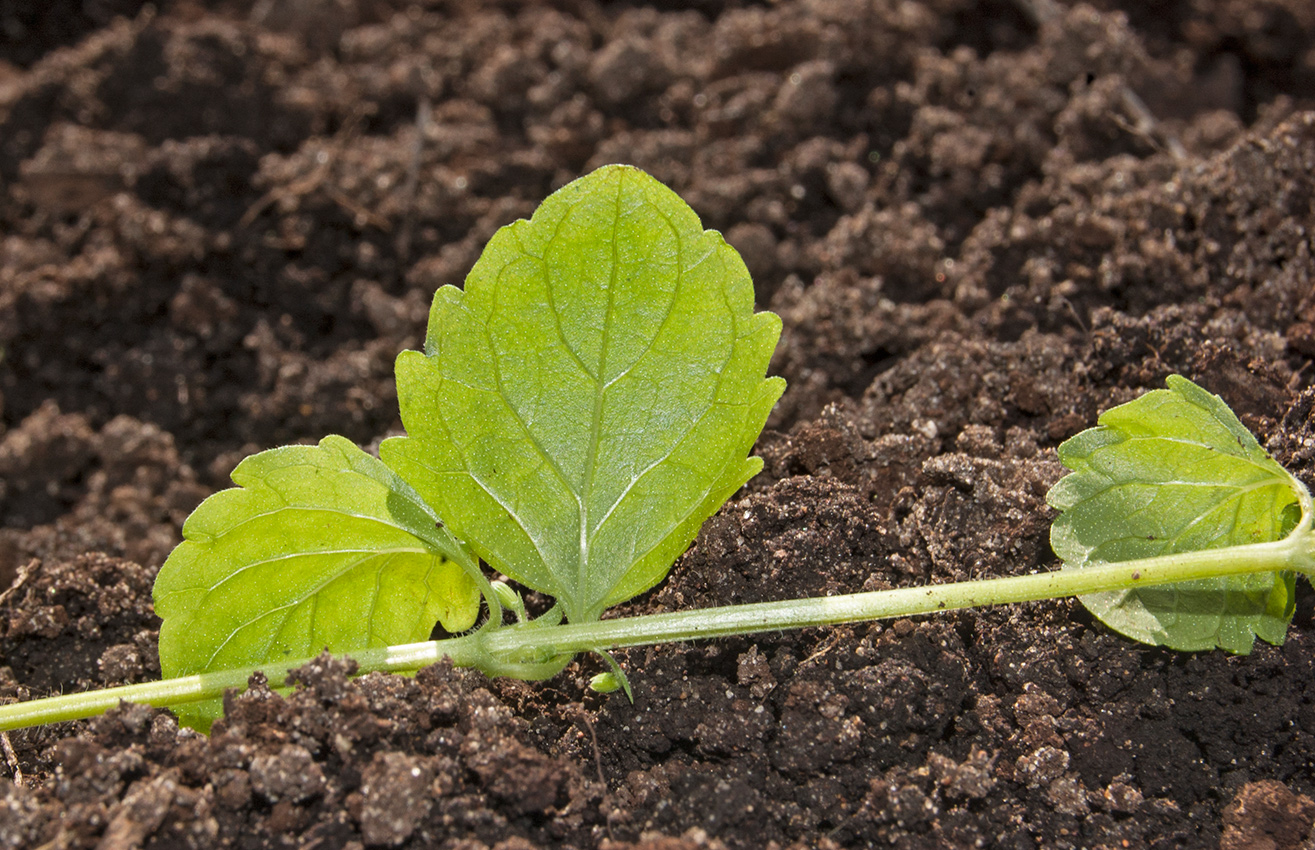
464 652
537 651
512 644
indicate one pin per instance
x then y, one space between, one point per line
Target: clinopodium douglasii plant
581 407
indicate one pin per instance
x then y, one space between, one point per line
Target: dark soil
982 221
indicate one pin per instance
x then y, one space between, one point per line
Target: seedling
579 410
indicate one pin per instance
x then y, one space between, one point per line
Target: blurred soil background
982 222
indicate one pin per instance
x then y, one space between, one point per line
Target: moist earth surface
981 221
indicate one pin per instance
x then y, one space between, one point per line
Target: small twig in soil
1076 316
1147 127
1144 124
12 758
583 717
303 187
24 573
411 188
299 189
1294 383
359 213
825 648
817 655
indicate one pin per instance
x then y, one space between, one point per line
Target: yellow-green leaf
592 395
1175 471
318 547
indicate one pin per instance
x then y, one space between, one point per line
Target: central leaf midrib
579 603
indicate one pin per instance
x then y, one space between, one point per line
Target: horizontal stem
513 643
535 649
181 690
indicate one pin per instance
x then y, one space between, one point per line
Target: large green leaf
1175 471
319 546
592 395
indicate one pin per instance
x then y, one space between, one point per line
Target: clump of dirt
981 221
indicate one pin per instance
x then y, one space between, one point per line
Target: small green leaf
605 683
613 679
319 546
509 599
590 398
1175 471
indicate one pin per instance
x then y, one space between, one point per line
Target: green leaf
1175 471
591 397
319 546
